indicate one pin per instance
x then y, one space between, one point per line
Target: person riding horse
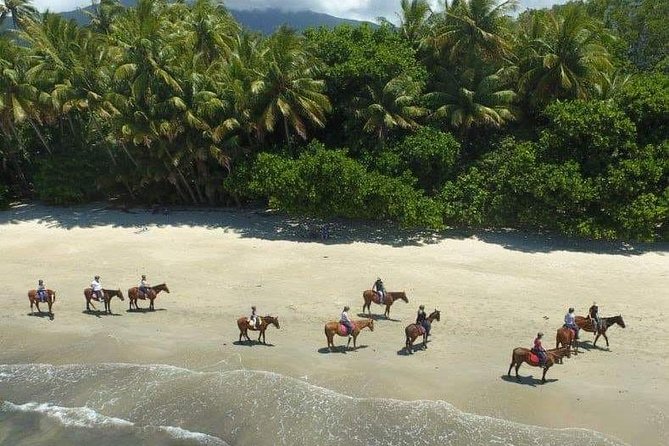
96 288
41 291
593 313
380 289
144 286
421 319
253 319
346 320
570 321
539 349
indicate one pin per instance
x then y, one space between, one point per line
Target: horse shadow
252 343
414 348
42 314
527 380
589 346
377 317
144 310
340 349
99 313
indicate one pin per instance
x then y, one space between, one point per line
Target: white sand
495 291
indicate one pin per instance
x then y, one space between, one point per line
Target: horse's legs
151 307
32 310
387 313
594 344
543 377
606 338
518 367
50 312
37 306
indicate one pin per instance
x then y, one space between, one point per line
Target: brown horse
391 296
333 328
265 321
521 354
587 324
50 299
566 337
106 297
134 294
414 330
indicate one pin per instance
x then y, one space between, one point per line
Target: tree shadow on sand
99 313
271 225
42 315
340 349
253 343
527 380
378 317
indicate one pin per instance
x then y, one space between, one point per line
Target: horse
34 300
106 295
265 321
566 337
553 356
134 294
333 328
588 324
414 330
391 296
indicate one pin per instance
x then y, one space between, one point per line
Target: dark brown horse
333 328
106 298
587 324
34 300
414 330
134 294
265 321
391 296
566 337
521 354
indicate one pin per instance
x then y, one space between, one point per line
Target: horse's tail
54 298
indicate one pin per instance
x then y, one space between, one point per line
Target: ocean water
132 404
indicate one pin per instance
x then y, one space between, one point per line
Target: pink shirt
537 344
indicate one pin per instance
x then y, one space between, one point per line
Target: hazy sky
354 9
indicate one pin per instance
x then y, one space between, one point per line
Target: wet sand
495 290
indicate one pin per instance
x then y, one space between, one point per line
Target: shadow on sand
42 314
144 310
270 225
340 349
99 313
377 317
527 380
252 343
418 346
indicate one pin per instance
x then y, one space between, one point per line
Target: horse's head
161 287
371 324
119 294
435 315
274 321
403 295
567 352
619 320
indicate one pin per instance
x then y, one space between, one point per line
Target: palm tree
104 14
561 56
473 31
395 105
21 10
288 90
474 101
413 20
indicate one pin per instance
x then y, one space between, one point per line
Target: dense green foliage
557 119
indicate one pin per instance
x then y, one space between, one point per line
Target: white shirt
344 317
570 319
144 283
96 286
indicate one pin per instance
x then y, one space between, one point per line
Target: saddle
533 359
343 330
421 329
573 330
379 296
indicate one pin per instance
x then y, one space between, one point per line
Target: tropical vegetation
464 115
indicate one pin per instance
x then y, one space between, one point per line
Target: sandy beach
495 290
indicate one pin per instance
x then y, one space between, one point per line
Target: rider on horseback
346 320
144 286
253 319
570 321
539 349
421 319
41 291
96 287
379 289
593 312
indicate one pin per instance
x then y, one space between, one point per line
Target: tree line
554 119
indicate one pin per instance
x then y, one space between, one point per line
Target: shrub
69 178
645 99
4 196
